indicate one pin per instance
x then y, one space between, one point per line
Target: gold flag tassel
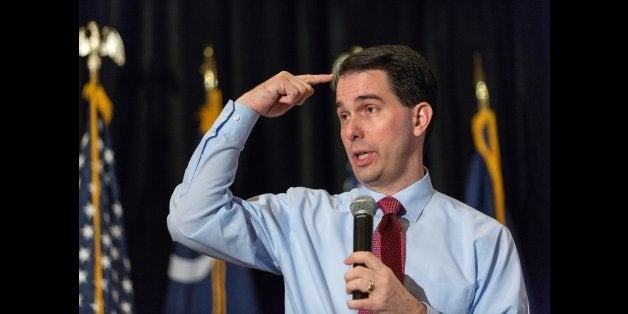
207 114
91 45
487 144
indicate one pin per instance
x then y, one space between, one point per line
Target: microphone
363 208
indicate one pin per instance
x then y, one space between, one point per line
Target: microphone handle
362 241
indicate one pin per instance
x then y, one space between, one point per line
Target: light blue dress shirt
458 260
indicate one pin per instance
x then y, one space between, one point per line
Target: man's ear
422 117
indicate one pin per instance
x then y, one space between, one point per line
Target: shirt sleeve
204 214
501 287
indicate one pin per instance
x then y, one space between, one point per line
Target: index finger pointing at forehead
315 78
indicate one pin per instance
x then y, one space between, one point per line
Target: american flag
104 268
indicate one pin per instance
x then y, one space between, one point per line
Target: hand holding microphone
363 208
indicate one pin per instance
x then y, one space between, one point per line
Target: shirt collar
414 198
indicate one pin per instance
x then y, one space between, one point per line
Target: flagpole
488 148
207 115
91 45
93 133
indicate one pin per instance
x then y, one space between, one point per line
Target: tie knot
389 205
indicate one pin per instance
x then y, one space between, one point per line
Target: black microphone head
363 205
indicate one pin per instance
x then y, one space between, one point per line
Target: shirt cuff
235 122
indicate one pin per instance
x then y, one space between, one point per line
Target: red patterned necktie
388 242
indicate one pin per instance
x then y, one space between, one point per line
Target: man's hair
409 73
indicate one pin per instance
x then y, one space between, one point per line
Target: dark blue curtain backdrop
157 92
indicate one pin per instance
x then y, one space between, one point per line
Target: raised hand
281 92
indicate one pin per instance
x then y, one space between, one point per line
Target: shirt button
236 117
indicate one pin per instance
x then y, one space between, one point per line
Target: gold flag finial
481 90
95 44
208 68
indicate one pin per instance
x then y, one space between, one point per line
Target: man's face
378 132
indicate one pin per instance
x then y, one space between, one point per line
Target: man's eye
371 109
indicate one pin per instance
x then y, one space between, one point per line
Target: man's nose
353 129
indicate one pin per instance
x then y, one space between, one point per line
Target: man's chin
364 178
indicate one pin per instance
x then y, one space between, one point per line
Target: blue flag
485 186
104 268
201 285
484 189
189 289
478 192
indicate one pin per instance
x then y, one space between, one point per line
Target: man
453 258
